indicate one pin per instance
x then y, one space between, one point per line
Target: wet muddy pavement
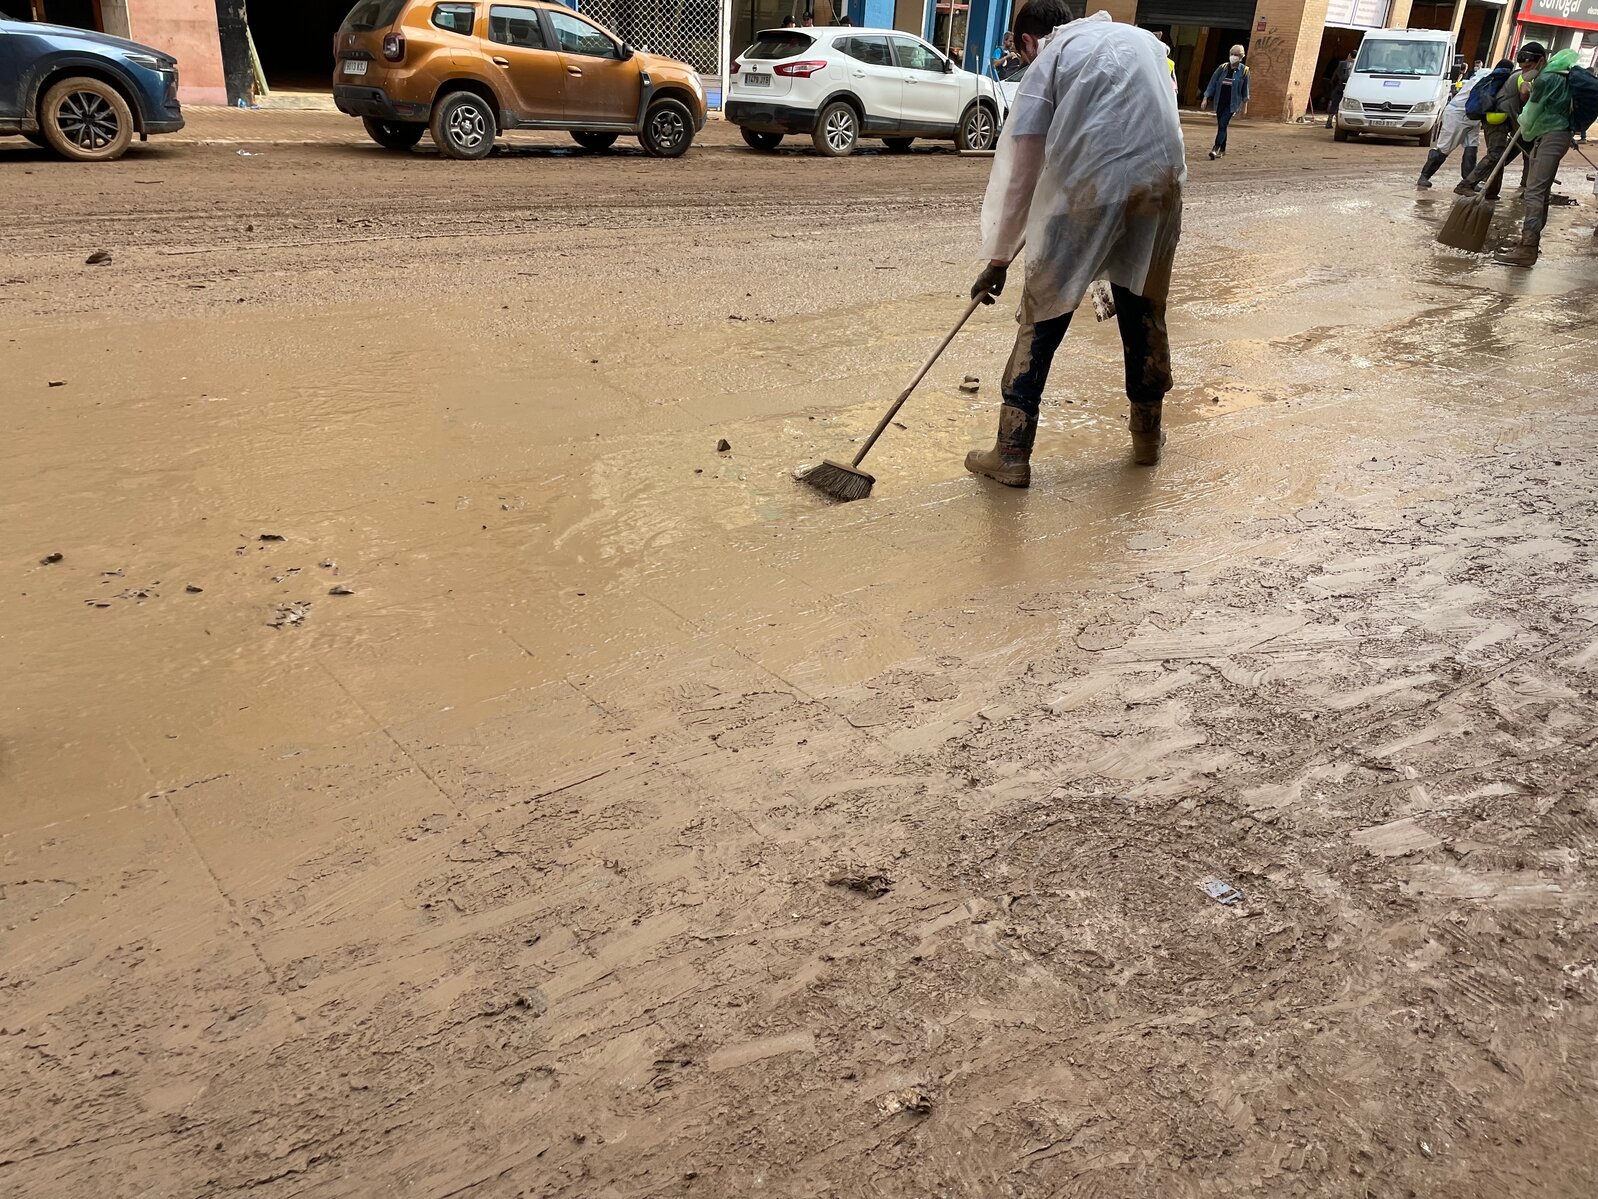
432 768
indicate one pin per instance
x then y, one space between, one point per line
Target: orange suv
468 71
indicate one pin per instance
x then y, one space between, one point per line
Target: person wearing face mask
1547 128
1228 93
1088 173
1500 133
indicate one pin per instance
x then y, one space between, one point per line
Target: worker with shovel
1548 125
1088 175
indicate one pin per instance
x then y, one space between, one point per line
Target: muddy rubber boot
1524 254
1433 161
1010 460
1467 162
1147 436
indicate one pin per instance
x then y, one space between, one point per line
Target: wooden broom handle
920 374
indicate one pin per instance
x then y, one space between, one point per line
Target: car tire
897 145
756 140
394 135
463 126
1341 135
668 129
837 130
86 120
593 141
979 128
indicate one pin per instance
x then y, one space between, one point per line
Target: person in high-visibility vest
1506 108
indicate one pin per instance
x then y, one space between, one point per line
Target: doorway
295 42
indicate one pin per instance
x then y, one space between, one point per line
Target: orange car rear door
531 69
600 87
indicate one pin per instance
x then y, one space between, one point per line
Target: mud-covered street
430 767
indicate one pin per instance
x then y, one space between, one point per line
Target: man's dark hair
1041 18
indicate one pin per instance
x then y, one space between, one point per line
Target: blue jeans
1223 118
1145 351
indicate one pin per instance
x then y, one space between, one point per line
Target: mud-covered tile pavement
432 768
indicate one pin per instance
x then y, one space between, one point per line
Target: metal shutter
1219 14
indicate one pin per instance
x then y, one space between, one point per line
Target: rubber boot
1467 162
1147 436
1434 160
1525 254
1010 460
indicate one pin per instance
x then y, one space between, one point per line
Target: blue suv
83 94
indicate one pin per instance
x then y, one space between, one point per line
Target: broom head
1467 224
842 483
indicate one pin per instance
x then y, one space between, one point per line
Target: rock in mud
58 382
970 388
340 589
873 884
97 258
915 1100
723 446
271 537
51 559
288 616
192 589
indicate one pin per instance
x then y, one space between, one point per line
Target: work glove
990 282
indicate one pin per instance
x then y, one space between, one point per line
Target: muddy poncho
1089 169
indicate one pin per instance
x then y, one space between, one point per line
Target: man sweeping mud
1089 175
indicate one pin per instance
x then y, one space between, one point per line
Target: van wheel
594 141
394 135
761 141
668 130
977 128
837 130
463 126
86 120
897 145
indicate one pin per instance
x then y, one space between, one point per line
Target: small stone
723 446
971 379
51 559
271 537
970 388
699 470
192 589
340 589
58 382
98 257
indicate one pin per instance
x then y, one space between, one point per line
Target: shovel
1471 216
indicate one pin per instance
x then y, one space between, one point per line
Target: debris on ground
57 383
723 446
97 258
970 387
340 589
1222 892
51 559
192 589
916 1100
271 537
873 885
287 616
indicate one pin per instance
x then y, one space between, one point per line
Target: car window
516 27
779 43
373 14
457 18
873 50
577 36
915 56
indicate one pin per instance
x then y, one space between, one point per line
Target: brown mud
638 824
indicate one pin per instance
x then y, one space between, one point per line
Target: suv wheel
463 125
668 129
761 141
394 135
86 120
837 130
977 128
593 141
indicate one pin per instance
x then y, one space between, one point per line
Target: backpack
1480 101
1583 98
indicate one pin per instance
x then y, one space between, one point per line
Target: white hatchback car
840 83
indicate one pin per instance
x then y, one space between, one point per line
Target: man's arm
1009 201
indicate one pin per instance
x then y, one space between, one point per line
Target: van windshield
1385 56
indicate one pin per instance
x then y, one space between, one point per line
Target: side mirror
948 66
626 52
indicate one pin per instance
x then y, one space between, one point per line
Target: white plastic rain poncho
1089 169
1456 129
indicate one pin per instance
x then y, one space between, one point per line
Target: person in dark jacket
1342 72
1500 132
1228 95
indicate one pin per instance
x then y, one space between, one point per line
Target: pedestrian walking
1456 129
1342 72
1228 94
1548 128
1501 120
1089 174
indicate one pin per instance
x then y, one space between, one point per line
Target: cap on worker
1530 51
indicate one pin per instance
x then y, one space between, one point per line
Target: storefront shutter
1218 14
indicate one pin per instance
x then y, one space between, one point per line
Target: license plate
757 80
1386 123
355 66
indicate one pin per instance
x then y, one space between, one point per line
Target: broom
845 483
1472 216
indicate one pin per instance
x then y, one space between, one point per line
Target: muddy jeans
1545 157
1145 347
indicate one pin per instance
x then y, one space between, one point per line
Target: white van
1400 84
